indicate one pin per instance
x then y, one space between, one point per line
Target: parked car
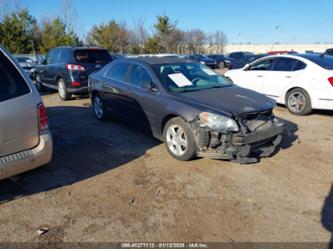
302 82
329 51
27 64
66 69
240 59
222 60
203 60
188 106
25 139
281 52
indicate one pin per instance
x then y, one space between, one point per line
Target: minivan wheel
62 90
179 139
298 102
39 84
99 108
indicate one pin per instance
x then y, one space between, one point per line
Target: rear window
92 56
325 61
12 84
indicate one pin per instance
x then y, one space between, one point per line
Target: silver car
25 138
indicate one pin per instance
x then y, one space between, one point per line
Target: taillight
75 83
75 67
330 80
43 121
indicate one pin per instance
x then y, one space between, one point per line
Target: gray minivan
25 138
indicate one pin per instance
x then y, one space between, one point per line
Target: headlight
218 122
202 62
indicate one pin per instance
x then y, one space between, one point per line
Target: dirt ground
110 182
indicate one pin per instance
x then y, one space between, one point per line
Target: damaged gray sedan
195 111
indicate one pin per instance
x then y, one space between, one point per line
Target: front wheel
298 102
62 90
39 84
179 139
222 64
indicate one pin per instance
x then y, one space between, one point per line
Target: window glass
92 55
139 75
118 71
285 64
325 61
263 65
63 55
12 84
300 65
51 57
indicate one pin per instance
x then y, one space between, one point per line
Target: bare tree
216 42
193 41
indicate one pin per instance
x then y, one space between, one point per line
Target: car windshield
180 77
92 56
325 61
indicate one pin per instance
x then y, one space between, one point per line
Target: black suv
66 69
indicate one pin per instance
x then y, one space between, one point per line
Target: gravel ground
110 182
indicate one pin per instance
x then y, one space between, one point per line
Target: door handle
288 76
260 76
129 91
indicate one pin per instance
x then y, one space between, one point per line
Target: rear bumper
79 90
27 160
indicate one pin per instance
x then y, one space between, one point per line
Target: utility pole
275 36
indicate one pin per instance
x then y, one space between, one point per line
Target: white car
302 82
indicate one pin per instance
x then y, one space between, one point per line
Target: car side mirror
44 61
149 86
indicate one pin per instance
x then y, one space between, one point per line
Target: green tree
152 46
53 33
17 31
112 36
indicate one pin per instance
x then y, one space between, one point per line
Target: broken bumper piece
239 147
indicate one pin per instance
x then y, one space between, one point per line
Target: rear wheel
298 102
62 90
99 108
179 140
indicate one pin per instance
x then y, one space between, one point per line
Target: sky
255 21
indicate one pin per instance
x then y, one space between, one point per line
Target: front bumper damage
259 136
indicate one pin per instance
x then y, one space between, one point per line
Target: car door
143 101
283 72
252 77
114 89
47 72
18 110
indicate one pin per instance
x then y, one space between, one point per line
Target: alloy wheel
177 140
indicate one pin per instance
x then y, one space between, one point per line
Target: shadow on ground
289 134
83 148
327 215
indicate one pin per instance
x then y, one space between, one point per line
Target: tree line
21 33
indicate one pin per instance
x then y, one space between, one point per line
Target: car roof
154 60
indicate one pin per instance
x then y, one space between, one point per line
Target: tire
99 108
177 131
39 84
62 90
222 64
298 102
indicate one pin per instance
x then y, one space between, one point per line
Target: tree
53 33
193 41
152 46
168 35
17 31
216 42
112 36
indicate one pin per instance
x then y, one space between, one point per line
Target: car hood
228 100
